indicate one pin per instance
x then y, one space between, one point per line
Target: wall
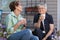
58 14
52 9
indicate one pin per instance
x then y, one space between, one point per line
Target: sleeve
35 20
51 20
9 25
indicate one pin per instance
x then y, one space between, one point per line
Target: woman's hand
42 17
22 22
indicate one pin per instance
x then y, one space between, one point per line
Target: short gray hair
45 5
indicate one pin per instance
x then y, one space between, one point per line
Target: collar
13 14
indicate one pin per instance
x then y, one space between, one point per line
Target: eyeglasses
41 8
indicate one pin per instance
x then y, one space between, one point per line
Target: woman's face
19 8
42 9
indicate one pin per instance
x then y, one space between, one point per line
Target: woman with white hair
43 23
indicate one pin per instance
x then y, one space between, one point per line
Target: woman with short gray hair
43 23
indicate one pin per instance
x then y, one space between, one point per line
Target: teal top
10 21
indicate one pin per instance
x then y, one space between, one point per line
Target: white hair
45 5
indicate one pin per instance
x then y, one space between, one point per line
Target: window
31 6
5 5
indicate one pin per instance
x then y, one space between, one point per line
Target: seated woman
15 24
43 23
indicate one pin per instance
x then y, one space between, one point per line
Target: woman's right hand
41 17
20 23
